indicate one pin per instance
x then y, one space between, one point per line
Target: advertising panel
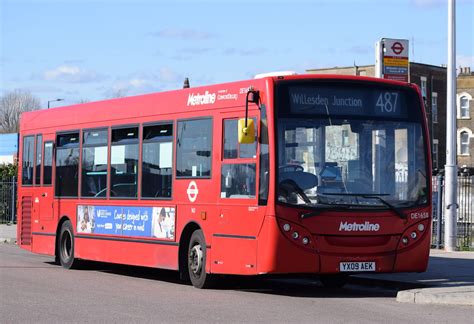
148 222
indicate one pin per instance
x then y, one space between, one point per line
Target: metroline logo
201 99
358 227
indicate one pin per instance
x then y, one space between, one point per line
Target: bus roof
166 104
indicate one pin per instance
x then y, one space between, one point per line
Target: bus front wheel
66 245
197 261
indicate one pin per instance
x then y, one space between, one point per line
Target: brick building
432 80
465 121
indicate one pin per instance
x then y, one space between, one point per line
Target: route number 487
387 102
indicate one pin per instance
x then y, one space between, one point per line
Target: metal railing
8 190
465 212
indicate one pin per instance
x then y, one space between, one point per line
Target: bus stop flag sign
395 59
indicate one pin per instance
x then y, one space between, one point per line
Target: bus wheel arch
184 240
58 233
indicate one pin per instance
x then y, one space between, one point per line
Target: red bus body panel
242 237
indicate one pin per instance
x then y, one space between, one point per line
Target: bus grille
26 206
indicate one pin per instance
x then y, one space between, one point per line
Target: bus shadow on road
292 286
303 287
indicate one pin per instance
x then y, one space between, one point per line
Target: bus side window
94 162
27 160
238 172
157 161
67 165
48 163
194 146
124 162
39 159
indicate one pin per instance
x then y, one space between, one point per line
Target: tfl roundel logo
192 191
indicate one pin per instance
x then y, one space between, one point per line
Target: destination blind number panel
339 101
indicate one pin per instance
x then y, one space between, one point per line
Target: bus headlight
295 235
405 240
286 227
305 240
421 227
413 235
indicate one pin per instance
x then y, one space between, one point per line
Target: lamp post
54 100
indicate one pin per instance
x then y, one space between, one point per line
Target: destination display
345 101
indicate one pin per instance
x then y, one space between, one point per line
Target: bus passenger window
157 161
194 144
124 162
94 163
232 149
39 146
28 156
47 163
238 180
67 165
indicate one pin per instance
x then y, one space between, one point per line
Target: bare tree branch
12 104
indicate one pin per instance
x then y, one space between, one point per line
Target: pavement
8 233
449 279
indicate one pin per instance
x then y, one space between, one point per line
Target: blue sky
92 50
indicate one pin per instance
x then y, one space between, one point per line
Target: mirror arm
255 100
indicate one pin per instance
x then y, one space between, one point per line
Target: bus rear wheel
66 246
334 280
197 261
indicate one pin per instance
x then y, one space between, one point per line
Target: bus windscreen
351 145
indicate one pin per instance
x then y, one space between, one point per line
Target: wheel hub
195 259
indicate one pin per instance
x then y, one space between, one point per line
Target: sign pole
379 59
450 167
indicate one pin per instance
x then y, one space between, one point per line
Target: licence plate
356 266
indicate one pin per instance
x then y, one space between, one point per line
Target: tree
12 104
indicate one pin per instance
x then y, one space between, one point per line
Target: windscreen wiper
373 196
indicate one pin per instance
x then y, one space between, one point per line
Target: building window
434 107
423 87
67 165
27 160
464 143
94 163
124 162
193 146
345 137
157 161
435 154
464 101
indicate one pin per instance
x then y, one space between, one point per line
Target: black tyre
197 261
66 246
334 280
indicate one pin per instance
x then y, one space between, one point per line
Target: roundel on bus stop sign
192 191
397 48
